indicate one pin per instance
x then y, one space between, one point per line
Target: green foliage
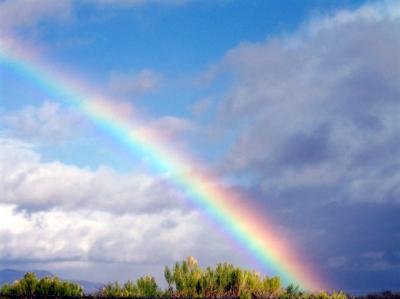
29 286
338 295
113 290
187 279
292 291
147 287
130 289
144 287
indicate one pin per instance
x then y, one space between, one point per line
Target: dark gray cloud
306 148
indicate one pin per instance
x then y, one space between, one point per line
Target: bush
30 286
144 287
187 279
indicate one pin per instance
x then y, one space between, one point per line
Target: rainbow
227 209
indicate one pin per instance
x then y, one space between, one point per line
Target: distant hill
10 275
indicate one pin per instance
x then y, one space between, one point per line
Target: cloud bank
55 214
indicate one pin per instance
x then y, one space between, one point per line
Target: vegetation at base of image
184 280
144 287
30 286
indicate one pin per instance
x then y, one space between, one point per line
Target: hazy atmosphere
294 105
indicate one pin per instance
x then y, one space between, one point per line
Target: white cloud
52 213
48 122
90 235
387 10
33 184
18 14
102 244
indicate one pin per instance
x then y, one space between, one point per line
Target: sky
294 104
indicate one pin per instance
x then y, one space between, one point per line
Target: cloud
131 85
48 122
96 235
92 241
20 14
35 185
320 108
388 10
55 213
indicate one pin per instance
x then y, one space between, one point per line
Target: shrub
29 286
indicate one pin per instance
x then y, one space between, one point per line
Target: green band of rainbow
252 230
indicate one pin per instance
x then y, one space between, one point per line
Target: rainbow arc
227 209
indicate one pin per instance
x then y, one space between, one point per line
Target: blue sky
294 103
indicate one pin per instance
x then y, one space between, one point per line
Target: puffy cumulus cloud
33 184
49 122
134 84
95 236
321 107
20 14
63 217
101 246
15 152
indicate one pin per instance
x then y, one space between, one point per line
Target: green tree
30 286
147 287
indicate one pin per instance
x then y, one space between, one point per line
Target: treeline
188 280
30 286
184 280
